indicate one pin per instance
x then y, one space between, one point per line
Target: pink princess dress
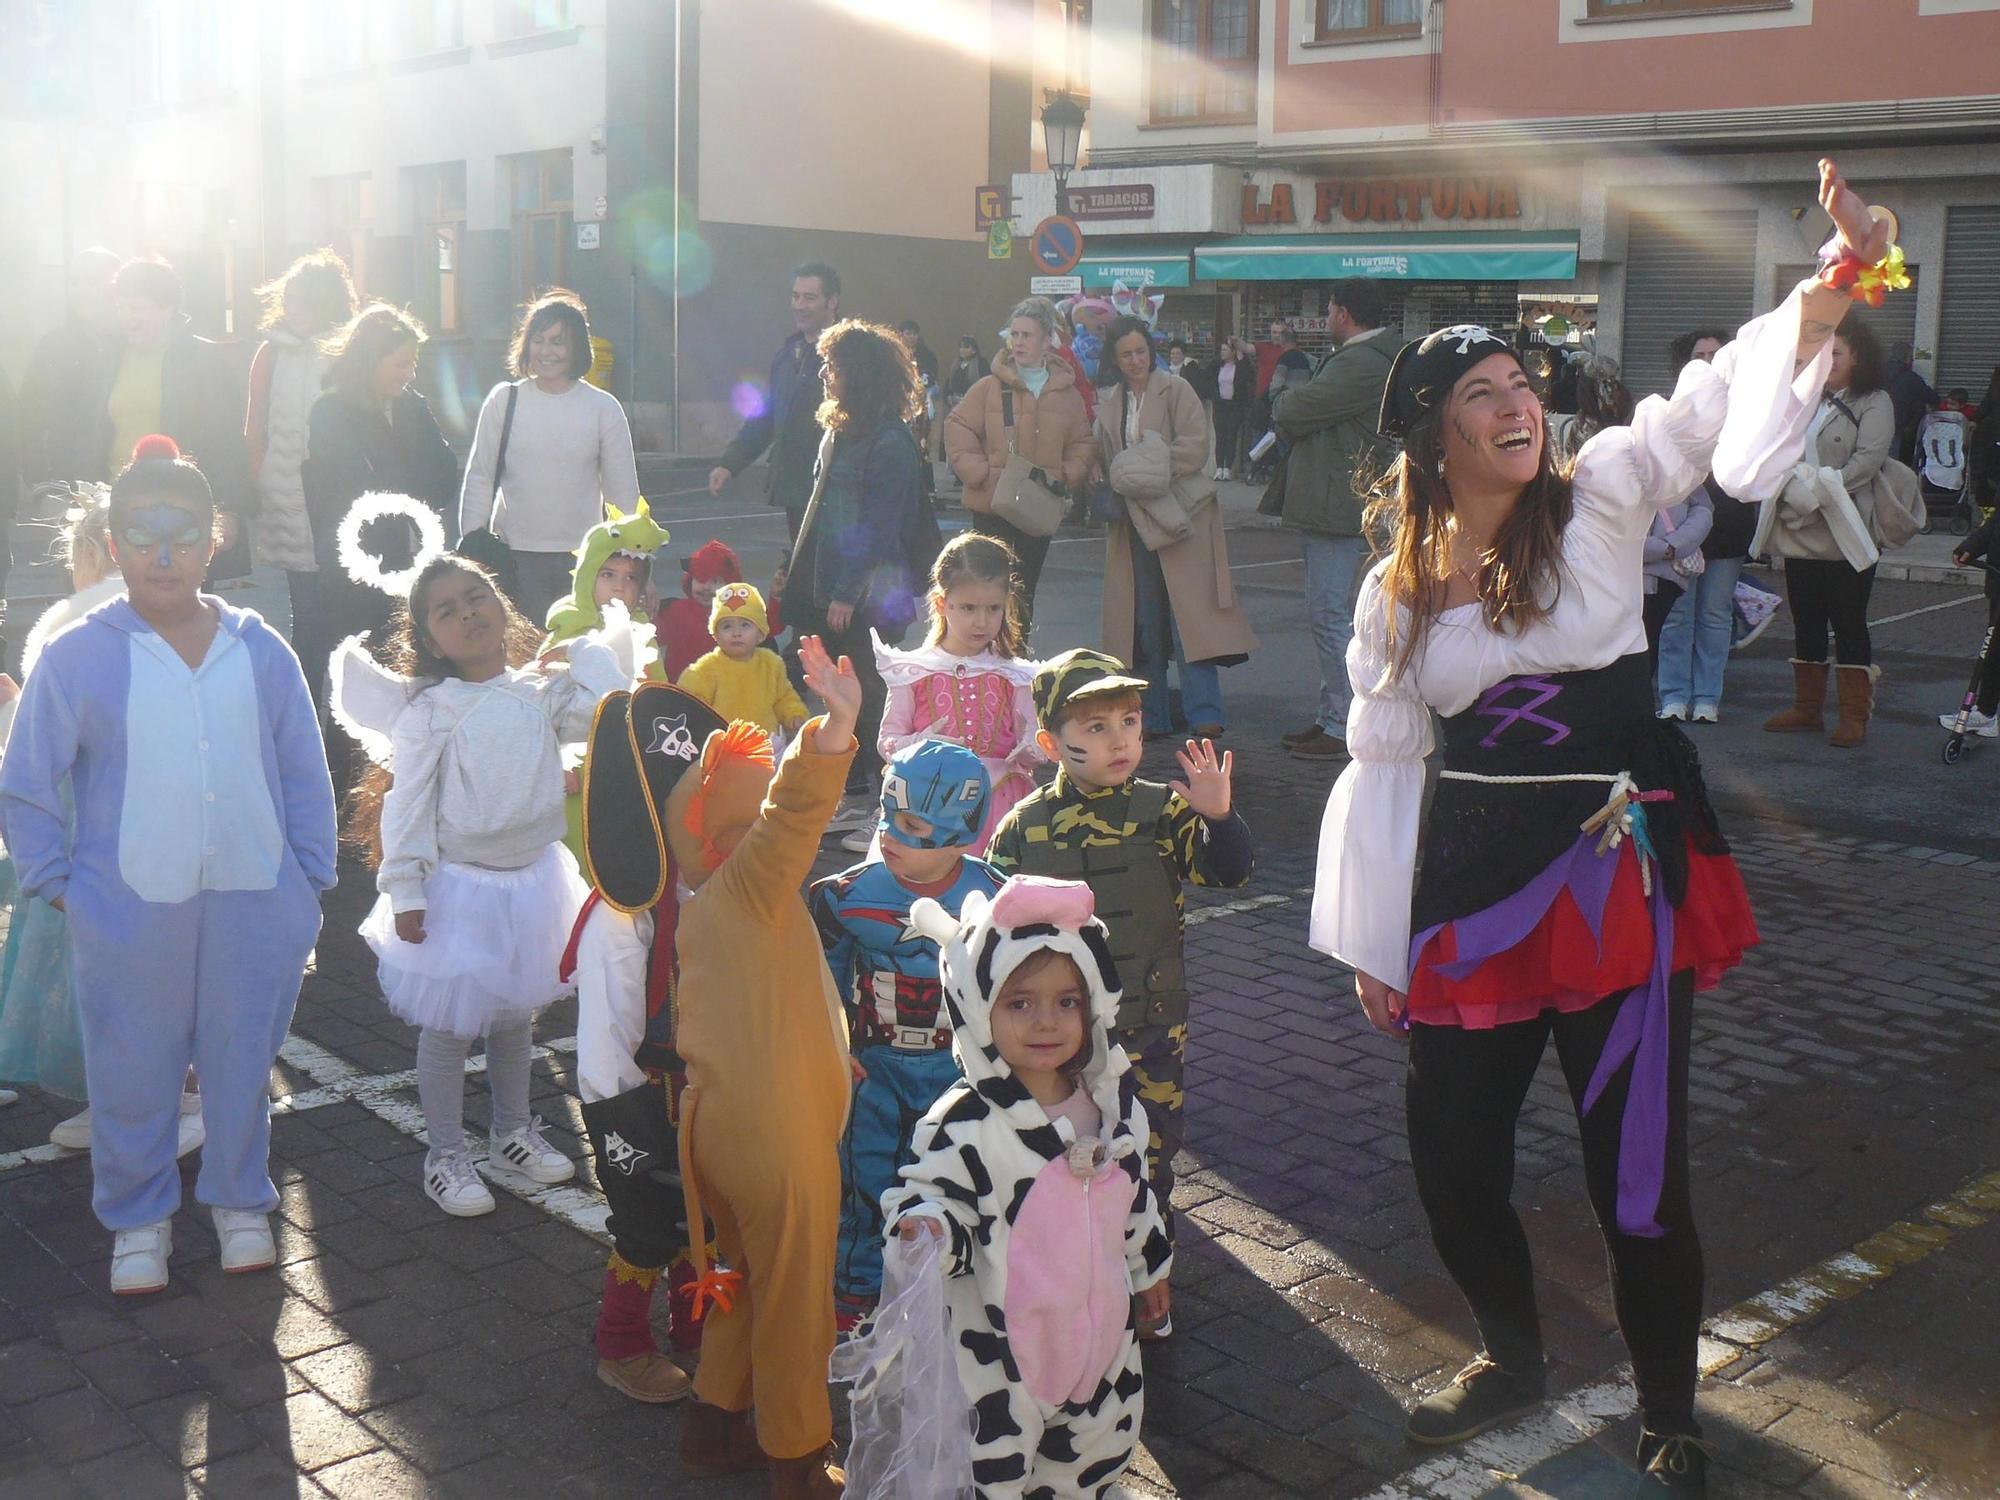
981 702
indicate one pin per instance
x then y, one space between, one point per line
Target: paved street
1846 1143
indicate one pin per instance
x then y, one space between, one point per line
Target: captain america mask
938 784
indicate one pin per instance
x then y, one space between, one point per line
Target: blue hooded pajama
887 973
203 835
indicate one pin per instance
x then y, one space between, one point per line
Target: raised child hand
1206 789
834 682
909 1229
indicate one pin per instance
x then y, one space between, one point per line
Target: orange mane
743 746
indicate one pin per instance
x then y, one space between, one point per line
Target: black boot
1672 1463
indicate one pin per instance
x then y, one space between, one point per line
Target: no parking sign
1057 245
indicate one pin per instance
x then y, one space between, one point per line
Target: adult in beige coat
1852 435
1177 603
1051 431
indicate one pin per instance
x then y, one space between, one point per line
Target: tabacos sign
1385 200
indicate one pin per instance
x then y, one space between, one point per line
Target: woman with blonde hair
313 297
1030 405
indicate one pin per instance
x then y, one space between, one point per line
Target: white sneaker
1673 711
528 1152
1705 713
452 1183
72 1134
859 841
7 1097
245 1237
1986 726
191 1132
139 1258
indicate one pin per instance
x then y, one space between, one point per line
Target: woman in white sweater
541 480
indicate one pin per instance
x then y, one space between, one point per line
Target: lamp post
1062 133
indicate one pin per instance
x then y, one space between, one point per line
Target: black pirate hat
641 744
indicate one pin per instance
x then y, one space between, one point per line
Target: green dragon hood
637 533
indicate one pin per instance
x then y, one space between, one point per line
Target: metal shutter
1700 269
1969 330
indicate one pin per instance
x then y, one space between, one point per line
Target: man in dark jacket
1912 396
787 425
64 383
1330 423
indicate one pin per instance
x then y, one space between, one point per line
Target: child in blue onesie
204 833
934 801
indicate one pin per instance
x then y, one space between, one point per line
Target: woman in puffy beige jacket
1852 434
1177 605
1051 431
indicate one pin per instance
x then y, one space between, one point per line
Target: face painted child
1098 738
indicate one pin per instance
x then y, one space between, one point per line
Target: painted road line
1928 609
1568 1421
1200 914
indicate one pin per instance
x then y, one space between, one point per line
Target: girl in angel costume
464 812
967 683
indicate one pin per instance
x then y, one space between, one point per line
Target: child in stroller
1944 441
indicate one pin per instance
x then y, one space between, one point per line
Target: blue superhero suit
203 835
887 974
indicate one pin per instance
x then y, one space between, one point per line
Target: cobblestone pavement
1847 1170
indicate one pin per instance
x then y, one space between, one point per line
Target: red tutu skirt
1561 964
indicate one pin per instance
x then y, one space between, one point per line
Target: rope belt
1622 816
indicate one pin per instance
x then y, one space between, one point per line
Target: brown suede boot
813 1477
1808 710
1856 686
714 1441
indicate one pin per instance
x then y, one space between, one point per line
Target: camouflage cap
1078 673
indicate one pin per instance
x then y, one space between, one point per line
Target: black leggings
1829 593
1465 1093
1659 604
1989 673
1031 551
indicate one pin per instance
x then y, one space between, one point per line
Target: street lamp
1062 133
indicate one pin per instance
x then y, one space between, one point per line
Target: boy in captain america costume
934 798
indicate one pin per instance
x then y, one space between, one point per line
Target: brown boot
1808 710
714 1441
1856 686
652 1378
814 1477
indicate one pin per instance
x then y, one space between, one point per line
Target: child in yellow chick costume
765 1043
739 679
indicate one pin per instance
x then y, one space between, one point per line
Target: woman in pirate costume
1574 883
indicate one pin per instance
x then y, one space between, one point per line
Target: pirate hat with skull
641 744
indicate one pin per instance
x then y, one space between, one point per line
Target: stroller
1944 442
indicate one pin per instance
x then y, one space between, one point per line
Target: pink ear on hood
1027 899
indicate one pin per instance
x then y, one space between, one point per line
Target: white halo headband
365 568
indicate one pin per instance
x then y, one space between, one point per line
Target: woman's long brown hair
878 377
412 653
1520 575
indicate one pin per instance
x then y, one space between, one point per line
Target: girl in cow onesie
1032 1169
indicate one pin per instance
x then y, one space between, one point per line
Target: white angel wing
366 698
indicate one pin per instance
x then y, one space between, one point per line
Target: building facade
669 160
1638 166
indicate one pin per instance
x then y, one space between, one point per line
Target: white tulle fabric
493 942
1743 416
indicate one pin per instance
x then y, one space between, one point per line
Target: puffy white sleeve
410 807
600 664
1742 415
1368 838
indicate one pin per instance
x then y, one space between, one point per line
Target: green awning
1155 265
1412 256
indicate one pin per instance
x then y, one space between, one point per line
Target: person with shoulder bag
1832 519
1168 595
1020 443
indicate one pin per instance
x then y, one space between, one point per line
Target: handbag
1022 495
1899 505
486 546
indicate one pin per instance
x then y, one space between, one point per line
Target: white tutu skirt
493 941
